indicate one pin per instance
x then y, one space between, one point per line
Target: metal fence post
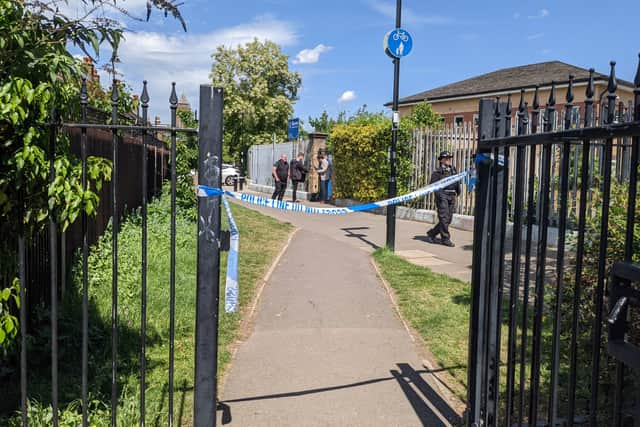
479 278
208 276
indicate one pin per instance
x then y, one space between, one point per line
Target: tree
259 93
324 123
422 116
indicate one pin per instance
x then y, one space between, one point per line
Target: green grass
436 306
261 239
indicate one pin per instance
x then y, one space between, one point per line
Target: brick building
458 102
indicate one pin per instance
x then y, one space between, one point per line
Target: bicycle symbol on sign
400 35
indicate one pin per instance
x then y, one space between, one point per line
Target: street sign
398 43
292 129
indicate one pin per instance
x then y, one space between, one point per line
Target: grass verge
436 306
261 239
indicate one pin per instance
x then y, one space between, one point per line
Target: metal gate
554 331
206 331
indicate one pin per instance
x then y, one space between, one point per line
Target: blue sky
337 45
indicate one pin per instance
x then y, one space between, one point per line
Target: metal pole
208 281
391 210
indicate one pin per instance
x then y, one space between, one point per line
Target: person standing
324 172
445 201
298 173
280 173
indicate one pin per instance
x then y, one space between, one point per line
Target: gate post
208 275
479 278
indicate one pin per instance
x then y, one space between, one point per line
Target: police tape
231 285
205 191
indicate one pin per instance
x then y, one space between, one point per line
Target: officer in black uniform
445 201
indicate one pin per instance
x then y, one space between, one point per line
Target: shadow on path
349 232
423 403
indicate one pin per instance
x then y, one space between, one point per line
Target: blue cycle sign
398 43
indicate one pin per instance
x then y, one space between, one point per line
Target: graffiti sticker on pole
398 43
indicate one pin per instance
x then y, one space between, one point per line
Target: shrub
615 252
361 161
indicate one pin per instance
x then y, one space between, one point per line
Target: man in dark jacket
445 201
298 173
280 173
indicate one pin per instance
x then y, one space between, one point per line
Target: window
458 121
476 120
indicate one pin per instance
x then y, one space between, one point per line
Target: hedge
361 161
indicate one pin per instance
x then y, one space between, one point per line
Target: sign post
397 43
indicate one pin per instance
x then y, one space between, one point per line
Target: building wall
467 108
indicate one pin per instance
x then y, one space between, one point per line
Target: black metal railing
550 299
210 134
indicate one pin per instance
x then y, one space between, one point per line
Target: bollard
241 182
235 183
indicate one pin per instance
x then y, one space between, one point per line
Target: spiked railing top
536 100
569 97
636 81
84 94
521 105
115 96
144 97
173 99
590 89
552 96
613 83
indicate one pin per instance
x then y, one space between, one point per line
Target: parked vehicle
228 172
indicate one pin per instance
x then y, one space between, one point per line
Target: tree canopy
259 91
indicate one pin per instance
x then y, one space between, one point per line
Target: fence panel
262 158
572 354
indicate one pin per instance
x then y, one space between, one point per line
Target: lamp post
392 189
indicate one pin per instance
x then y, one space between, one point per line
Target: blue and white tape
204 191
231 285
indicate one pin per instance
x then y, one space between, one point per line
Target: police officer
445 201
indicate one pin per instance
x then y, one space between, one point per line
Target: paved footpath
327 348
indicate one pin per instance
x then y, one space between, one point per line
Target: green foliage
38 75
186 164
325 124
8 322
615 252
259 93
360 157
421 116
264 238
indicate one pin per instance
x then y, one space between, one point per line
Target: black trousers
294 186
281 187
445 204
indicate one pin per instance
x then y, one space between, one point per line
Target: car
228 173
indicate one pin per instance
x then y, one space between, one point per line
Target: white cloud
311 56
347 96
543 13
185 58
535 36
80 8
409 16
